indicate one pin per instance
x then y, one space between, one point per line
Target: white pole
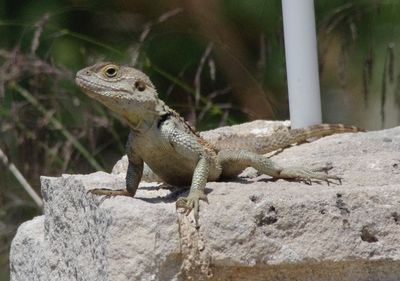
301 62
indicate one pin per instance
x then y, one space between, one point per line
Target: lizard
173 150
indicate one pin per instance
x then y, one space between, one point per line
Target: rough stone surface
252 229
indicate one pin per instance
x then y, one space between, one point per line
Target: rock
67 241
252 228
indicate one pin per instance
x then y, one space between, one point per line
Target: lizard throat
134 121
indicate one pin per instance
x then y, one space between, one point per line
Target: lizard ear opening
140 85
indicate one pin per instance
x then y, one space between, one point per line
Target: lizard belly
171 166
175 170
171 169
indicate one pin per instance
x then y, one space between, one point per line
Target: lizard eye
110 71
140 85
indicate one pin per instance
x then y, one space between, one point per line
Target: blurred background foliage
216 62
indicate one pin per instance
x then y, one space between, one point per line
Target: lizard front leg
199 181
190 150
132 180
133 176
234 161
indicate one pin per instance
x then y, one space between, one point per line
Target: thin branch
17 174
38 32
58 125
147 29
197 79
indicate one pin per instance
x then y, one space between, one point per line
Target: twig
146 31
197 79
17 174
39 29
261 63
164 17
209 103
58 125
85 38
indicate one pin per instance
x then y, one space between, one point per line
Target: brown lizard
172 149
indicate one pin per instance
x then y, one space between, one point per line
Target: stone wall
253 228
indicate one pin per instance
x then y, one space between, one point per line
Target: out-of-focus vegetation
216 62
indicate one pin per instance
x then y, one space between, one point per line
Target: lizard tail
286 138
280 139
321 130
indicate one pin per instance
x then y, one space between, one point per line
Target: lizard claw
307 181
331 179
191 202
308 176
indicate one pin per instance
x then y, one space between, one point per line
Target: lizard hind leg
234 161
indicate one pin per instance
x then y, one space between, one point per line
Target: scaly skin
160 138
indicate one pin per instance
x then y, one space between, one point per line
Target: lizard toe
308 176
192 203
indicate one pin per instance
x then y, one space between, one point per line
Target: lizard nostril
140 85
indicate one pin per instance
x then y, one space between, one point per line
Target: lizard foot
108 193
191 202
308 176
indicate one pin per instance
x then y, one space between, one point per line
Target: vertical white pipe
301 62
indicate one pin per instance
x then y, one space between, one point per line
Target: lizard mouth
95 89
89 86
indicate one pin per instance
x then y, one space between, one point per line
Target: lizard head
125 90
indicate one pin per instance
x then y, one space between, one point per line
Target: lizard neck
142 120
140 123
